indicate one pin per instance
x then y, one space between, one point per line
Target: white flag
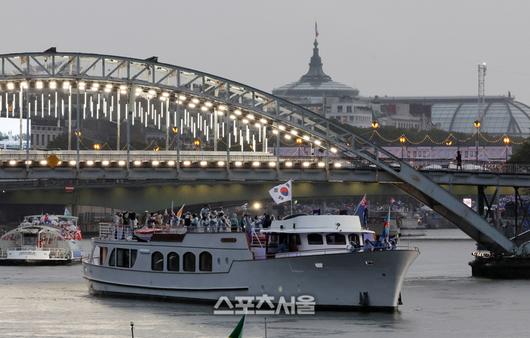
282 193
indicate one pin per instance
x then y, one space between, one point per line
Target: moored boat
43 239
328 257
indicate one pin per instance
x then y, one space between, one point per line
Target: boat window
29 239
354 240
103 255
315 239
157 261
205 261
122 258
173 262
188 262
112 259
133 257
335 239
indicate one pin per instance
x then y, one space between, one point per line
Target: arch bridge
196 109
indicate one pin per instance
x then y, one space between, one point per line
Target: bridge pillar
480 200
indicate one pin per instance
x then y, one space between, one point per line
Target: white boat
328 257
45 239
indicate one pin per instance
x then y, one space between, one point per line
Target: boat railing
114 231
54 252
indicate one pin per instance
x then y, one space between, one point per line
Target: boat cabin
315 234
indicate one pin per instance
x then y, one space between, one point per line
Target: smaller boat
44 239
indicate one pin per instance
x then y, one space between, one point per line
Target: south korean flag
282 193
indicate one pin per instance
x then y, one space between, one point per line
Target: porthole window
157 261
315 239
188 262
173 262
205 261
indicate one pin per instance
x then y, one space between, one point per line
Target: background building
317 91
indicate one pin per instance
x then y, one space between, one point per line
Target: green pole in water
238 330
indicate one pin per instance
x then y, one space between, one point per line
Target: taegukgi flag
282 193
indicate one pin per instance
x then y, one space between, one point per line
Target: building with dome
317 91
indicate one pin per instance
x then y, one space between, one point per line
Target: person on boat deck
165 217
205 212
195 220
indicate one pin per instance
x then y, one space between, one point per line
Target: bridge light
294 132
221 107
238 164
245 121
81 85
171 163
203 163
89 163
287 136
337 165
121 163
272 164
238 112
24 85
43 163
186 163
156 148
175 130
77 133
10 86
402 139
220 164
39 85
204 108
195 100
333 150
182 97
263 121
138 91
151 92
95 86
449 143
257 125
318 142
375 124
219 113
105 163
232 117
107 89
250 117
208 104
476 124
155 163
97 146
306 164
506 140
191 105
306 137
197 142
66 85
28 162
275 131
256 164
72 163
288 164
299 141
137 163
281 127
321 164
165 94
256 205
52 85
123 87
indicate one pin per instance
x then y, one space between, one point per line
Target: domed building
317 91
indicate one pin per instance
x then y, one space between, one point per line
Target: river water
440 297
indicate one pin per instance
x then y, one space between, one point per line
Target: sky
381 47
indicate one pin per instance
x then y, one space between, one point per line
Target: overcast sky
411 47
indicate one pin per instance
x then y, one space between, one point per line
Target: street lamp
506 140
375 125
476 124
197 143
402 140
97 146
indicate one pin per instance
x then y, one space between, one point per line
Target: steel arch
149 74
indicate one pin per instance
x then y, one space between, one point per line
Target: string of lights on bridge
166 110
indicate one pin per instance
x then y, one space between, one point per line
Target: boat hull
369 280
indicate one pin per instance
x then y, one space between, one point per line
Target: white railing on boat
109 231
